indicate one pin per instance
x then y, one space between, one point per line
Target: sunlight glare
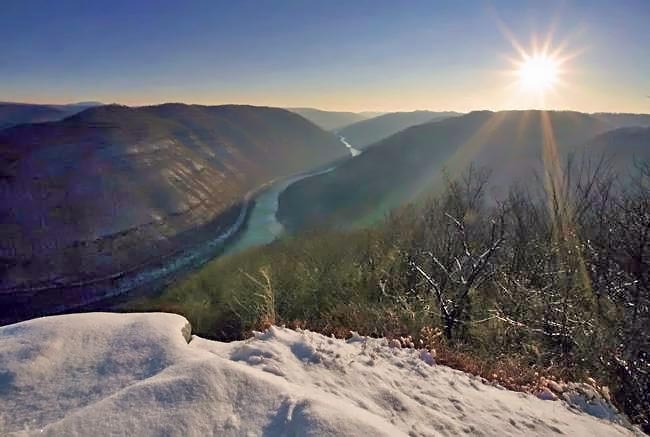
538 73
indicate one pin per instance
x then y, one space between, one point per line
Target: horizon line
295 107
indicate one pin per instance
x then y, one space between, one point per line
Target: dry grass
512 372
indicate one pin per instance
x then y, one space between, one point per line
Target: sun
538 73
541 74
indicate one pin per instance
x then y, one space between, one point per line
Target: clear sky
339 55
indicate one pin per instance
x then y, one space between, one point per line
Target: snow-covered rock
427 357
547 395
137 374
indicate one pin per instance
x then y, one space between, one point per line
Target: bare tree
456 256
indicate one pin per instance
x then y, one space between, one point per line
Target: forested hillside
516 145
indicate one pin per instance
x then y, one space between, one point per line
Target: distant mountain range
624 120
363 133
622 145
113 187
332 120
400 167
12 114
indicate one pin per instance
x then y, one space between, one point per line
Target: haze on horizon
335 55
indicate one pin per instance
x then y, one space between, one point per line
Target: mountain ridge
13 113
366 132
331 120
411 161
114 186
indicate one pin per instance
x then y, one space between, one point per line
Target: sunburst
538 73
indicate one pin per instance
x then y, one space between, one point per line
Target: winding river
353 151
262 226
256 225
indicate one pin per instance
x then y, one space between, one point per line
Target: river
256 225
353 151
262 226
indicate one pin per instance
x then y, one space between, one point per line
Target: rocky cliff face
113 187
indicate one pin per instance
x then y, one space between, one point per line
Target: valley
315 234
216 214
91 200
342 193
257 224
324 218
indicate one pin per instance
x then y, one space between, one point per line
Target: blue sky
345 55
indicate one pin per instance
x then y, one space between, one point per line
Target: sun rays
538 74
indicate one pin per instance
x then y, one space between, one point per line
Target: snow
143 374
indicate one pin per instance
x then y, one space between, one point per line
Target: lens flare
538 73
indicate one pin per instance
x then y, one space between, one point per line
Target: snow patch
144 374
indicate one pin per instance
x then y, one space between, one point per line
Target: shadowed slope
112 187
